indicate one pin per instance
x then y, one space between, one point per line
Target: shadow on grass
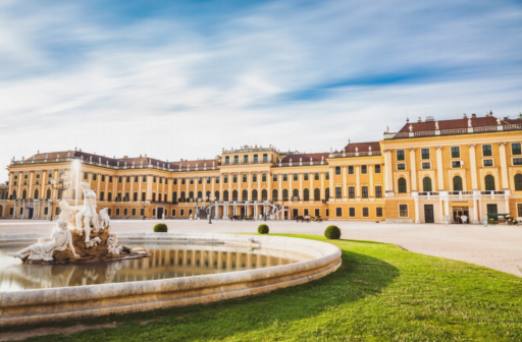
358 277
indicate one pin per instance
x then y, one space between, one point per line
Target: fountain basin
309 260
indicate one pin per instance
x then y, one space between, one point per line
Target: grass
381 292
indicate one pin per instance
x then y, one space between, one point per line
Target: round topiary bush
160 228
332 233
263 229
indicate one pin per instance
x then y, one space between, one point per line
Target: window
306 195
265 158
285 195
400 155
225 179
401 185
378 212
489 182
364 169
351 192
306 176
488 162
338 192
316 176
337 170
295 195
403 210
234 179
426 184
401 167
518 182
456 164
317 194
338 212
254 178
227 160
486 150
426 165
516 149
365 212
295 177
274 195
364 192
245 158
236 159
378 191
256 158
351 212
377 168
285 177
457 183
350 170
425 153
327 176
455 152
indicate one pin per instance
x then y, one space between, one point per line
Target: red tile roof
363 147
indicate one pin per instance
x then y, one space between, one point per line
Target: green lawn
381 292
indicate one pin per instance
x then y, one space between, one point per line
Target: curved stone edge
54 304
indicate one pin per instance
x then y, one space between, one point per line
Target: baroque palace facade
428 171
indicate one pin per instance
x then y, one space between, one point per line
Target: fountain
82 270
81 234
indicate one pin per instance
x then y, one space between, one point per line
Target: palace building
442 171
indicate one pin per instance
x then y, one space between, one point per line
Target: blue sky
182 79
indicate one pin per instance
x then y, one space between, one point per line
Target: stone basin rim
324 258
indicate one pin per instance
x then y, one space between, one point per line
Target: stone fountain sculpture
80 235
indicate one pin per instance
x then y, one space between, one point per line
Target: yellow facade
419 174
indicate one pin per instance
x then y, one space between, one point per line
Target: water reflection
163 262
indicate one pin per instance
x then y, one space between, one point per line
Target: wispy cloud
184 79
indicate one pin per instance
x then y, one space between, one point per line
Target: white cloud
158 86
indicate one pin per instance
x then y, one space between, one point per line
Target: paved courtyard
498 247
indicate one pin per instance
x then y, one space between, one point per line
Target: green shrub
263 229
332 233
160 228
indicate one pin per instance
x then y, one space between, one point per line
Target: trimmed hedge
160 228
332 233
263 229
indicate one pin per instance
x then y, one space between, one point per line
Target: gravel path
498 247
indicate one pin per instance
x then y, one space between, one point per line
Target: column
475 212
269 182
413 171
504 176
212 189
321 179
358 181
344 191
371 187
280 187
249 187
440 170
331 183
300 186
388 181
148 185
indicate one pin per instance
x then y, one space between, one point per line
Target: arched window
489 182
285 195
244 195
208 196
225 195
216 195
264 195
13 196
234 195
181 196
200 195
254 195
295 195
274 195
191 195
317 194
457 183
518 182
401 186
24 194
426 184
36 194
306 195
